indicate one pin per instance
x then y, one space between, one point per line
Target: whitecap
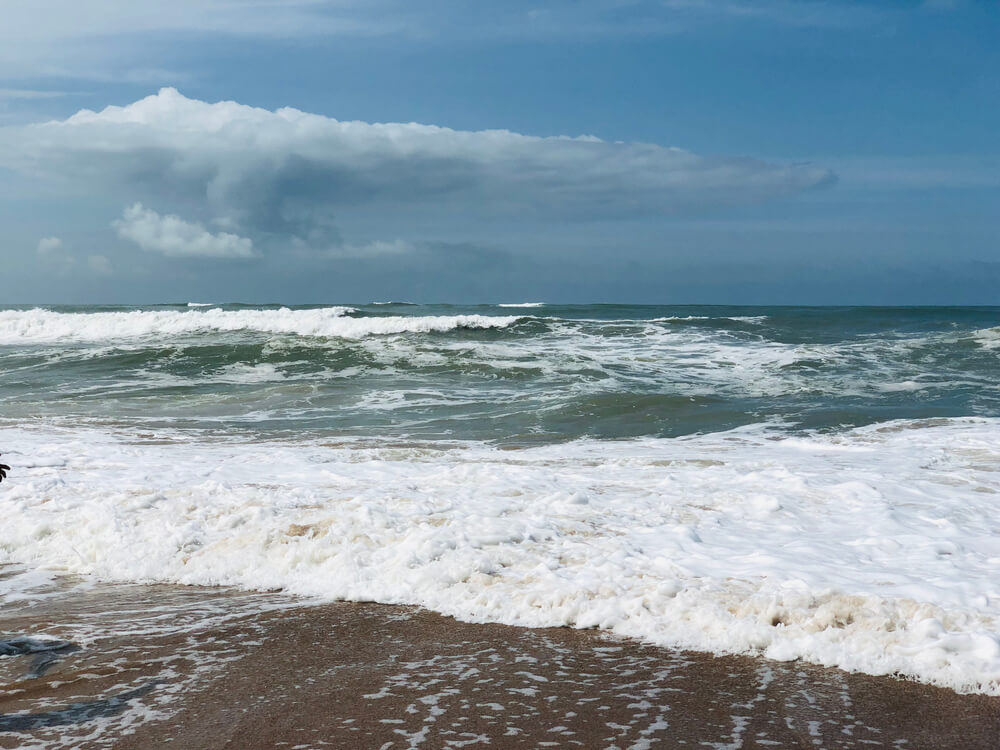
39 326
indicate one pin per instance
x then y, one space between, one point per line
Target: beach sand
187 667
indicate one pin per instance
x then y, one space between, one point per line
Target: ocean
802 483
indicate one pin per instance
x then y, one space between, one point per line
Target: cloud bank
282 178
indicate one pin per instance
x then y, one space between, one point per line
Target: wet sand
192 668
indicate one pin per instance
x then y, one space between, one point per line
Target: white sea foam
200 304
988 338
873 549
39 325
240 372
521 304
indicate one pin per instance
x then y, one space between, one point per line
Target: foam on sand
872 550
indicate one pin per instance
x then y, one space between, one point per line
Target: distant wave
37 325
737 318
521 304
401 304
201 304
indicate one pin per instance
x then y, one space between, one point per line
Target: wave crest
42 326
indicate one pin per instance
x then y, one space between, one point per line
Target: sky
799 152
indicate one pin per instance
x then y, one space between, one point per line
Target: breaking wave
39 325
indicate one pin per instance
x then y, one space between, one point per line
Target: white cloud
281 177
173 236
49 245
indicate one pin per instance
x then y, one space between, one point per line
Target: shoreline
191 667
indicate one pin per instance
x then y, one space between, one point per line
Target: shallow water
204 668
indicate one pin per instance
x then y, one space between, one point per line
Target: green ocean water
522 374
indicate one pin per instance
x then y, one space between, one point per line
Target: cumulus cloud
173 236
282 178
49 245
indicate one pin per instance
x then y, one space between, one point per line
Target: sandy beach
599 374
188 667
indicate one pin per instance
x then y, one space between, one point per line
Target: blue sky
738 152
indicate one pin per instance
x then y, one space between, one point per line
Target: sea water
801 483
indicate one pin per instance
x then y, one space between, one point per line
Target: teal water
485 372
